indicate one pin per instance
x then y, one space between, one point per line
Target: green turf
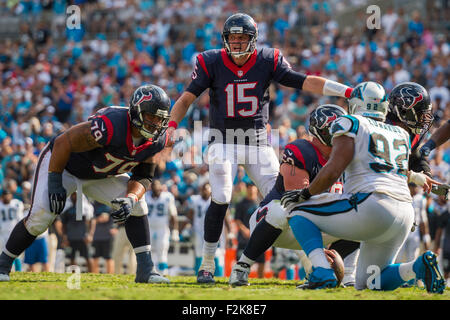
53 286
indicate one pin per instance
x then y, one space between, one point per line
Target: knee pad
39 221
276 216
220 178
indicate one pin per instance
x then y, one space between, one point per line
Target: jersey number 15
240 98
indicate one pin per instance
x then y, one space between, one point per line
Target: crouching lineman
95 156
301 162
376 208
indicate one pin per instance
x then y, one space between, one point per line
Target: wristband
430 144
426 238
333 88
173 124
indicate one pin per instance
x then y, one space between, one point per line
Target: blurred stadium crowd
52 77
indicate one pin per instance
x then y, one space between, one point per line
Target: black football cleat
205 277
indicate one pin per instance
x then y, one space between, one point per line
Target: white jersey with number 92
380 161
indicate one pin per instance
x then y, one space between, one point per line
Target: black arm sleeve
419 163
293 79
143 173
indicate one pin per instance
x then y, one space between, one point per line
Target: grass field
53 286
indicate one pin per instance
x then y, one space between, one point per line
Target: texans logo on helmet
410 97
141 96
324 120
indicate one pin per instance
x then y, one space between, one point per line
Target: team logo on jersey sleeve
337 127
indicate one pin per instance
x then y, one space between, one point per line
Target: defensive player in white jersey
11 212
162 212
199 204
376 208
302 159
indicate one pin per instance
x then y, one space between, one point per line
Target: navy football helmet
412 105
320 120
240 23
149 99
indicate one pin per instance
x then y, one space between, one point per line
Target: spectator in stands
103 238
78 232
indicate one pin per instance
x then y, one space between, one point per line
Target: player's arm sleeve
144 173
201 77
283 73
345 125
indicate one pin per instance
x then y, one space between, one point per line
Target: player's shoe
205 277
4 277
320 278
239 274
426 269
349 280
157 278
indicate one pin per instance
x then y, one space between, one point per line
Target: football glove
440 190
125 207
294 197
56 193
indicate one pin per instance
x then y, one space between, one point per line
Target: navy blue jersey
413 138
303 155
239 96
111 128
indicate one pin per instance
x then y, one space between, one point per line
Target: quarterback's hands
294 197
125 207
56 193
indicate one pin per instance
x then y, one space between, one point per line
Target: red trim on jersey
415 140
275 59
322 160
131 148
348 92
109 128
201 60
297 153
239 71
